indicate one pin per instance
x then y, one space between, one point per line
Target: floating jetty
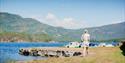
51 51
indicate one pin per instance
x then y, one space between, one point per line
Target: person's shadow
122 47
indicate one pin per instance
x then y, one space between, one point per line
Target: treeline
23 37
110 40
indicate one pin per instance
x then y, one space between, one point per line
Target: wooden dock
51 51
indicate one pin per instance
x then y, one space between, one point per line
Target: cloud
67 22
50 16
51 19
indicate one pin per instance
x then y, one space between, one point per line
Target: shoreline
98 55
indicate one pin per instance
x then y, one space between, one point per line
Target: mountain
107 32
17 24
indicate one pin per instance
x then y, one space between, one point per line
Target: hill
12 23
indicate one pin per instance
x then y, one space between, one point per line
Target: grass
97 55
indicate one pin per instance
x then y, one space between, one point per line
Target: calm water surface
9 51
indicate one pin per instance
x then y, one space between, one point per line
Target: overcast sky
71 14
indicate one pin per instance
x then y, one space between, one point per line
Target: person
85 38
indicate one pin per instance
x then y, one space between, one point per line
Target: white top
85 37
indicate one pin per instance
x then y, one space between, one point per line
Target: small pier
51 51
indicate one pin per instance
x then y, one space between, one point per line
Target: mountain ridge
15 23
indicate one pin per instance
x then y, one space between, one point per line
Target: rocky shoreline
51 52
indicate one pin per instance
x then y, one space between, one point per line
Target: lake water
9 51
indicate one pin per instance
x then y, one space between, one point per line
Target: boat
73 45
105 45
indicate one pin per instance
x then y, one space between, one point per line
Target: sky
70 14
